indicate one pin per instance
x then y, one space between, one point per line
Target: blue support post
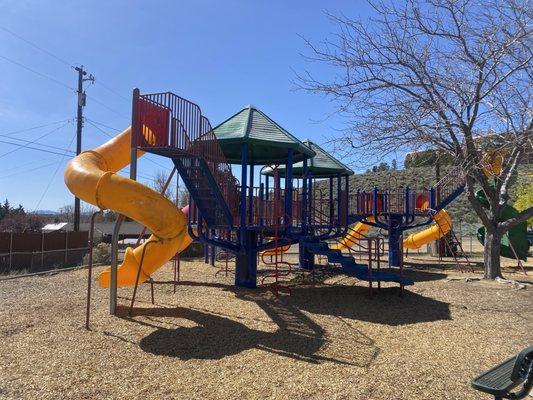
303 216
251 196
407 205
305 257
213 250
246 260
339 194
375 201
331 206
244 178
310 200
261 201
395 231
288 189
432 199
347 189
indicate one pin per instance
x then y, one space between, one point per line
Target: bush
101 254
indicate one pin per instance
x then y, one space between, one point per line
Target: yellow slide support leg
92 176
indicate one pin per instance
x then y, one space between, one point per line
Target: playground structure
303 197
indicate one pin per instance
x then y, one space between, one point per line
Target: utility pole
81 103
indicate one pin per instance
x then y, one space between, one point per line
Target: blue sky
222 55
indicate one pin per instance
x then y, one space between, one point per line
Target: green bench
499 380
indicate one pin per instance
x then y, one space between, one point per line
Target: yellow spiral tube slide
442 225
92 177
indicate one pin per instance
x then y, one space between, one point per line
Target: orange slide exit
92 176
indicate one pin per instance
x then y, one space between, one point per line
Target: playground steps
351 267
204 190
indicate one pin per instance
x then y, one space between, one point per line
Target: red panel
153 124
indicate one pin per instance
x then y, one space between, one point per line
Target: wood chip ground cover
210 340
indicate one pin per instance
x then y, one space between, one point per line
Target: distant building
60 226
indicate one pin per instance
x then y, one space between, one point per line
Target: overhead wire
54 174
40 144
38 149
91 122
35 127
22 146
37 46
57 81
28 170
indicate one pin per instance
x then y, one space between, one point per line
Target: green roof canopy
268 142
322 165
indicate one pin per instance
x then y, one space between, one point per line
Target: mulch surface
210 340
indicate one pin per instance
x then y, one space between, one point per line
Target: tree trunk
492 255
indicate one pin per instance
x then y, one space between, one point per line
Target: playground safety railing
165 120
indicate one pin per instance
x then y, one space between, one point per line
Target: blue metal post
347 189
261 202
407 205
251 196
375 201
305 257
395 231
310 199
432 198
331 206
304 198
244 178
288 189
339 194
246 260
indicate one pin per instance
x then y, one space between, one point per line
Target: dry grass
210 340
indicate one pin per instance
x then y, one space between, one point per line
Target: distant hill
423 177
44 212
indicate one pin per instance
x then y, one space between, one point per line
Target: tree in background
66 213
524 199
159 184
16 219
437 74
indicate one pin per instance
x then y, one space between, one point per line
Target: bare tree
441 74
66 212
159 184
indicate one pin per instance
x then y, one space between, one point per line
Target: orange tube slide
92 177
353 235
443 225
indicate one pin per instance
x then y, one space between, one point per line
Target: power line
37 72
26 171
38 149
36 46
35 127
53 175
56 57
91 122
97 127
106 106
104 125
30 142
99 82
22 146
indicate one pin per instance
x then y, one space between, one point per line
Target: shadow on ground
385 307
216 336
